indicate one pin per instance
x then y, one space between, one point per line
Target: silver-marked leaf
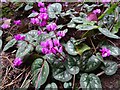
110 67
54 9
1 32
90 82
0 44
28 7
24 50
83 27
52 86
40 72
60 73
69 47
67 85
77 20
9 44
33 15
107 33
71 64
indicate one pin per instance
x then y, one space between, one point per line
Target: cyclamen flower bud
17 62
92 17
5 26
18 37
105 52
17 22
51 27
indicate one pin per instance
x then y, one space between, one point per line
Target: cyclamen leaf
107 33
70 48
52 86
54 9
0 44
28 7
71 65
110 67
33 15
40 72
1 32
90 82
83 27
10 44
24 50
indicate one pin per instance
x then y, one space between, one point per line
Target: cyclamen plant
63 52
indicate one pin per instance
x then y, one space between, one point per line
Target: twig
93 45
73 82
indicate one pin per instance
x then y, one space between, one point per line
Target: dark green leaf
10 44
110 67
40 72
91 64
60 73
107 33
70 48
71 65
90 82
51 86
24 50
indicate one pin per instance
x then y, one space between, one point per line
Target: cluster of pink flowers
19 37
17 62
105 52
5 26
51 46
51 27
42 18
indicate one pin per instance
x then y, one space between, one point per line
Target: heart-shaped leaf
40 72
91 64
71 65
69 47
90 82
10 44
24 50
77 20
110 67
82 47
54 9
28 7
51 86
60 73
107 33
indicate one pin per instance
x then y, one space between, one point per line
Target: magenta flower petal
51 27
17 62
17 22
5 26
105 52
40 4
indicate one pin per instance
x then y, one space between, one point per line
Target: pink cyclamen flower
43 10
5 26
35 21
105 52
18 37
3 1
17 22
40 4
105 1
92 17
61 33
43 16
45 51
97 11
56 42
51 27
17 62
43 23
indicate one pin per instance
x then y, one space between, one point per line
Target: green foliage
10 44
110 67
54 9
90 82
40 72
51 86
